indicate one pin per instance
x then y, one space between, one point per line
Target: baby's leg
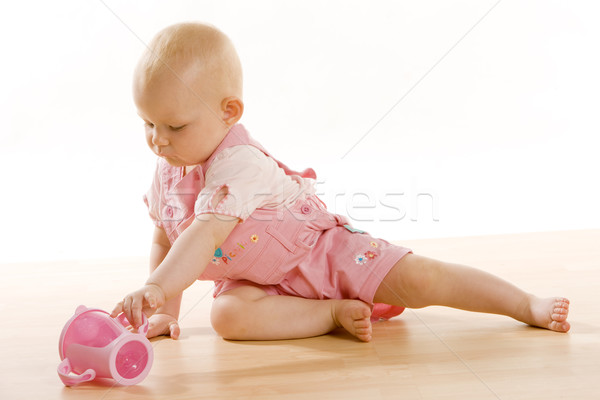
249 313
417 281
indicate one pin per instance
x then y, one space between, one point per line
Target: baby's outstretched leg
417 281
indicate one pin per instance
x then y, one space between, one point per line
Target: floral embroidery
254 238
215 261
374 244
370 255
360 259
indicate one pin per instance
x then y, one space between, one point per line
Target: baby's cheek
149 139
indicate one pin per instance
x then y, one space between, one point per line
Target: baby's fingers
117 310
136 312
151 300
174 330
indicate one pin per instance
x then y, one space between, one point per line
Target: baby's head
188 90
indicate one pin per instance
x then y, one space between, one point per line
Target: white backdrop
421 118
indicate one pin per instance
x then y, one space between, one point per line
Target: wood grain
433 353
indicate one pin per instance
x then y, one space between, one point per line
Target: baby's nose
159 138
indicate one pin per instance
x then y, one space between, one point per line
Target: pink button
305 209
169 212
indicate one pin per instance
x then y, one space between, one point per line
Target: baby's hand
163 324
144 300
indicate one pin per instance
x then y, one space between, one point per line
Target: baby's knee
416 279
227 317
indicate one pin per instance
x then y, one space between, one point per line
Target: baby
226 210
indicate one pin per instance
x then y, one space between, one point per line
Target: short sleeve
239 180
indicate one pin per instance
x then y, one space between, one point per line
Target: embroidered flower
360 259
374 244
215 261
370 255
254 238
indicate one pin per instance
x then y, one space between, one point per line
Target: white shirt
251 180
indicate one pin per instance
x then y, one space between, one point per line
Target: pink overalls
301 250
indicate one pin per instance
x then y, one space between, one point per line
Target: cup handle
69 378
143 329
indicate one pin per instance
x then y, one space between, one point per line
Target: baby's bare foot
551 313
355 317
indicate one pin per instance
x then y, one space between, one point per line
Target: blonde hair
193 44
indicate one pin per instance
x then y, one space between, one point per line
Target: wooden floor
433 353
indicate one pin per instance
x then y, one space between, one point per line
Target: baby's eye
149 124
176 128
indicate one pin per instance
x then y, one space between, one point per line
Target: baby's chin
177 162
173 161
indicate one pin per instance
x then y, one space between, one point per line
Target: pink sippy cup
94 345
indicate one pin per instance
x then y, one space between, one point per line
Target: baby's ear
233 108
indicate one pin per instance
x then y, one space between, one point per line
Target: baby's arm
164 322
183 264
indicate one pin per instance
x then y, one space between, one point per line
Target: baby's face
183 121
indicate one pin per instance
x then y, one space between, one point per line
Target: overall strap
238 135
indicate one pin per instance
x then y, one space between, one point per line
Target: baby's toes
363 334
363 331
363 327
560 326
559 315
561 310
362 323
562 303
